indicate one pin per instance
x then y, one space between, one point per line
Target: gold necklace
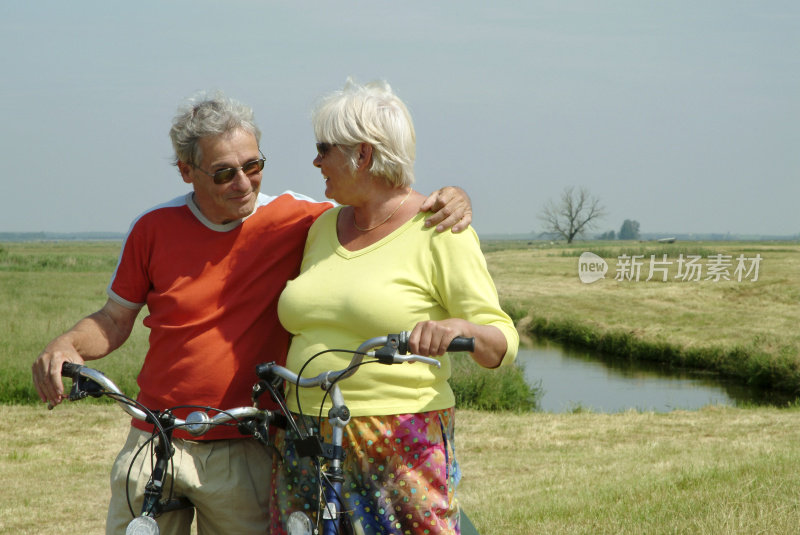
385 220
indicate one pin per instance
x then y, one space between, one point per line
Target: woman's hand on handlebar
47 370
432 338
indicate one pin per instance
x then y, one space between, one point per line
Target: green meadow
714 470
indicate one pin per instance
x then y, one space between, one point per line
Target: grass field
746 330
712 471
44 289
716 470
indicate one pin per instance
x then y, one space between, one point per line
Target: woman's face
341 184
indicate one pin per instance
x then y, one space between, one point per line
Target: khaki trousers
228 481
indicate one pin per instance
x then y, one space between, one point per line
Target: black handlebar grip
69 369
462 343
264 370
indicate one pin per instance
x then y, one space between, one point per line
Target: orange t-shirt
211 292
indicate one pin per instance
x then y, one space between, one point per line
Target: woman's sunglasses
323 148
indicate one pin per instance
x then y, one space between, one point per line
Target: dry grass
712 471
55 467
717 470
764 314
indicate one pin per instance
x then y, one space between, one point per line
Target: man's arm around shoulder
451 208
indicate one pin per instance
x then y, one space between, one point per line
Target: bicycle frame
392 349
91 382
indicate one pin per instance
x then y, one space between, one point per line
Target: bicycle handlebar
393 349
197 423
106 386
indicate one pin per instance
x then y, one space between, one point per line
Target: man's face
222 203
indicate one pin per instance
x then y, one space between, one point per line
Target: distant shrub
516 311
502 389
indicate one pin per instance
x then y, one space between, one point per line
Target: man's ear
364 157
185 170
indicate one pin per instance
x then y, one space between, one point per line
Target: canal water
577 380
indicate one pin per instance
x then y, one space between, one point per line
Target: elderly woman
371 266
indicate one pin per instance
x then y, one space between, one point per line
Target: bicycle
251 420
331 518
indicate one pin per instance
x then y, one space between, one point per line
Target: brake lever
76 393
90 388
83 387
418 358
395 344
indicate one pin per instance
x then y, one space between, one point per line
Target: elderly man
210 266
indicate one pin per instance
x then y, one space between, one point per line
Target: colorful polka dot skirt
400 475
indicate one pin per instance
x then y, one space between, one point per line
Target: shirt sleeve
466 288
130 281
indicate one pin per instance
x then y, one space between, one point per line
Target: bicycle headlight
142 525
299 524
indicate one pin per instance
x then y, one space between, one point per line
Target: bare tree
576 211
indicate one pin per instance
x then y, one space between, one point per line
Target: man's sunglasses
223 176
323 148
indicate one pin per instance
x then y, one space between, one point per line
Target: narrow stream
576 380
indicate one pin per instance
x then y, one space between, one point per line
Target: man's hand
93 337
451 208
47 370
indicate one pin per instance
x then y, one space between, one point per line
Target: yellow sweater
342 298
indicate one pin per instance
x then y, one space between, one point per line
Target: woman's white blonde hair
373 114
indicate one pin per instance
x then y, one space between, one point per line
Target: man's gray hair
208 115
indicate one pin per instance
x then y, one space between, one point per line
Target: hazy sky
682 115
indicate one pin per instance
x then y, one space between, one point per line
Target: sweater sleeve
465 287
